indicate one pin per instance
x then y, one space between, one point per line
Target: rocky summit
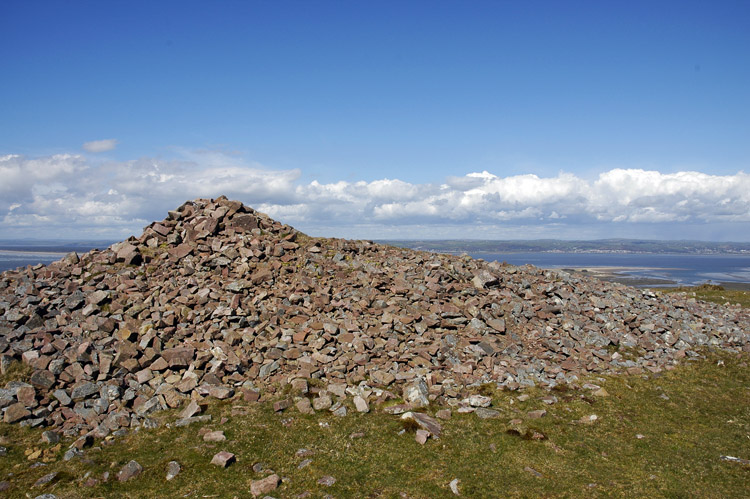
218 300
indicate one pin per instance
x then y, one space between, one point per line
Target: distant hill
559 246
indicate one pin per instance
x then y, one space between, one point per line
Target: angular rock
304 406
416 394
214 436
129 471
83 391
264 486
15 413
42 379
49 477
223 459
479 401
484 413
425 422
326 481
190 410
178 356
361 404
322 403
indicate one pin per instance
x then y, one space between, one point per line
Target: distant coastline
606 246
20 253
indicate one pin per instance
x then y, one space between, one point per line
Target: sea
13 259
642 269
639 269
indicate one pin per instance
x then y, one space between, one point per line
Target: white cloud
69 195
100 145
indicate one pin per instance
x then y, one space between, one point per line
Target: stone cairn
219 300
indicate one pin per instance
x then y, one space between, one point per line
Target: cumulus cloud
100 145
70 195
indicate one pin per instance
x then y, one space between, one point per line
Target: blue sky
380 119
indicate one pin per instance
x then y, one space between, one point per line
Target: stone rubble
218 300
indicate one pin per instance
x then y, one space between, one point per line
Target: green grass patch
657 435
16 371
713 293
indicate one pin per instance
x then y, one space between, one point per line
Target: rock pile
218 298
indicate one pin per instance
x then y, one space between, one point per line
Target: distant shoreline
33 252
554 246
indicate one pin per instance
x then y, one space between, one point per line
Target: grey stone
326 480
425 422
173 469
484 413
214 436
49 477
72 453
479 401
416 394
50 437
129 471
361 404
83 390
195 419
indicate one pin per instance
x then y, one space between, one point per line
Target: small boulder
214 436
265 485
361 404
223 459
130 470
173 469
415 394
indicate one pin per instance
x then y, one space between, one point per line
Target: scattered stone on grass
173 469
443 414
425 422
265 485
223 459
536 414
49 477
534 472
130 470
214 436
454 486
327 480
484 413
361 404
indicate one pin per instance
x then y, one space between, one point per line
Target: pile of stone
219 299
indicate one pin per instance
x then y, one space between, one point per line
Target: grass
656 435
713 293
16 371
